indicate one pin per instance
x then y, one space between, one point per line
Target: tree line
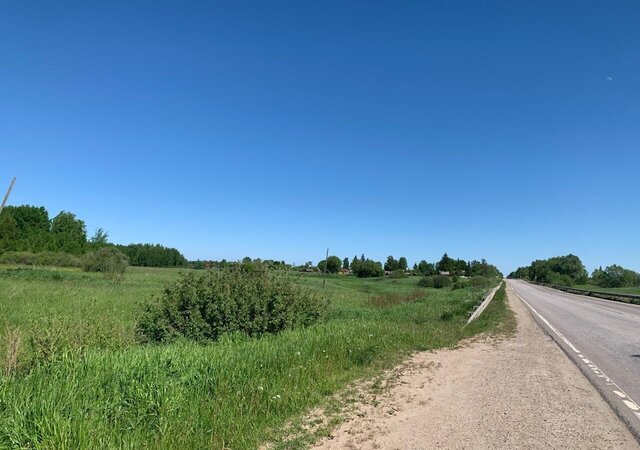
365 267
569 270
28 228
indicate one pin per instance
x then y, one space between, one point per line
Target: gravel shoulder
521 392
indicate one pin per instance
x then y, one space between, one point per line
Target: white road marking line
632 405
628 402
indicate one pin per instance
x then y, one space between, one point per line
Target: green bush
441 281
460 284
480 281
426 282
56 259
107 260
398 273
24 258
205 307
367 269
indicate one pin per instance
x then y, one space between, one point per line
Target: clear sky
503 130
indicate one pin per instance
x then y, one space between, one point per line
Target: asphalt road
602 337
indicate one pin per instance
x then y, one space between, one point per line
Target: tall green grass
236 392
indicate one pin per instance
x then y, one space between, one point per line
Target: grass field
82 381
626 290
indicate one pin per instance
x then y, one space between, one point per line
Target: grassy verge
236 393
497 317
625 290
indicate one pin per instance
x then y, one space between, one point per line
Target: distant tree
520 273
149 255
331 265
426 269
460 267
402 263
345 264
355 264
99 239
563 270
445 264
615 276
482 268
367 268
391 264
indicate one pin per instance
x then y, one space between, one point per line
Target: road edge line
625 411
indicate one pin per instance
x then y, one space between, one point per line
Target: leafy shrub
426 282
398 273
460 284
205 307
57 259
441 281
24 258
367 268
480 282
107 260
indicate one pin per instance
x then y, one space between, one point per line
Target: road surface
602 337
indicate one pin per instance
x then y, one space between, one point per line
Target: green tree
29 228
426 269
99 239
68 234
446 264
402 263
615 276
368 268
345 264
8 232
391 264
355 263
331 265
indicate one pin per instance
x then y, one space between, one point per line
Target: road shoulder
520 392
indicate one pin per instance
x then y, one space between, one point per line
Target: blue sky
503 130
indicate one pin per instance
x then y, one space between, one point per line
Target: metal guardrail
484 303
615 296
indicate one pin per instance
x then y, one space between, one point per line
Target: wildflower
260 388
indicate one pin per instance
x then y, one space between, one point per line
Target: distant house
344 271
444 272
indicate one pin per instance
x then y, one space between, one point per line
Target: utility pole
324 275
6 197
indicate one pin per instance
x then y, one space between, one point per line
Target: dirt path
517 393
